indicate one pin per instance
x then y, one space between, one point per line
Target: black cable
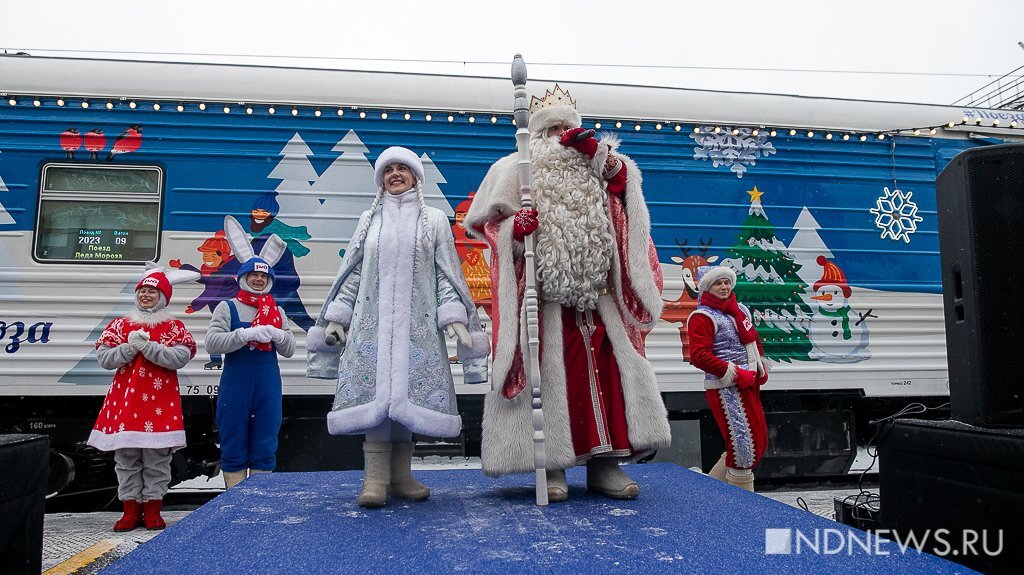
505 63
866 501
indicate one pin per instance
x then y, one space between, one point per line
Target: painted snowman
837 333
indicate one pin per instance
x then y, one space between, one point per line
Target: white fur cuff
730 375
481 347
316 340
339 312
451 312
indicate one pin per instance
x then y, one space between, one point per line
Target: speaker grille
996 200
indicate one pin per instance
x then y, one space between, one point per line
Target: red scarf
266 314
730 306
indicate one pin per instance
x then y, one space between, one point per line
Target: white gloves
259 333
459 329
278 336
138 339
337 332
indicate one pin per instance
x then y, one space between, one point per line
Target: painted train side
107 164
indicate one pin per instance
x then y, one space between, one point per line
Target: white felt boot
742 478
403 484
558 489
605 477
376 474
718 471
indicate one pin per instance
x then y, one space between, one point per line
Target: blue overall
249 406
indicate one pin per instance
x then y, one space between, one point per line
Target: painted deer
678 311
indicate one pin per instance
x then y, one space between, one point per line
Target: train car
825 207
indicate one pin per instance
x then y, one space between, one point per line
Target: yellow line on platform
83 558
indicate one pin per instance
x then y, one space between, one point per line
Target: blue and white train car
826 208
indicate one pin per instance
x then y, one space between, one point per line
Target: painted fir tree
767 282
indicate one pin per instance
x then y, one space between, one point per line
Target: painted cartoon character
217 274
129 141
835 336
478 279
678 310
263 223
70 141
95 141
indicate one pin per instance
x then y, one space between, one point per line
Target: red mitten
762 379
586 145
174 263
617 183
745 377
524 223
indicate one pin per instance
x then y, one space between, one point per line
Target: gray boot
233 478
737 478
376 474
605 477
558 489
718 471
403 484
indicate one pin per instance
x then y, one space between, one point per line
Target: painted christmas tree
347 188
5 218
432 194
295 193
767 282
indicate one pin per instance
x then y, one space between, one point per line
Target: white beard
574 240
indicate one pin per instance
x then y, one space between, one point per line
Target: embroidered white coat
394 294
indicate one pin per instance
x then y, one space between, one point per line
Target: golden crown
556 97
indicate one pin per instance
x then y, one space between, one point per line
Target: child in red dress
141 420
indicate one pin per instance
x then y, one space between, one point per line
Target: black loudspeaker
950 484
24 461
980 198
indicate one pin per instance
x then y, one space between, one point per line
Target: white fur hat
708 275
544 118
396 155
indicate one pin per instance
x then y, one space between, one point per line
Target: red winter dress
143 405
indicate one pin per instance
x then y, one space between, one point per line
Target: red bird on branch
129 141
70 140
94 142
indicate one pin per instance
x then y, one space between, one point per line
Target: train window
99 214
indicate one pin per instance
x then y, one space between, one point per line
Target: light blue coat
394 294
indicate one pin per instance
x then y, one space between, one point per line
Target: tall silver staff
524 169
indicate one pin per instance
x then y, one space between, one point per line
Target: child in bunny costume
141 420
251 330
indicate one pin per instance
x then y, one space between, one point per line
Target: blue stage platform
683 522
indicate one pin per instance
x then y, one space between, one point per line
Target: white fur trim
397 155
136 439
508 423
545 118
497 197
508 307
149 319
713 274
357 419
730 375
425 421
639 232
646 415
316 340
339 312
481 347
452 312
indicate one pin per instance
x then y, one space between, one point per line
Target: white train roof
32 76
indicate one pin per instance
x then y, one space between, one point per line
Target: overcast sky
931 51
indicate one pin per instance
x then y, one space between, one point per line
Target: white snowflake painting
896 214
737 151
